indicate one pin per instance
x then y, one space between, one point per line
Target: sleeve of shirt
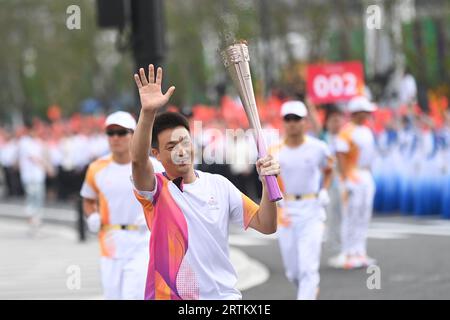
151 196
242 208
148 199
89 189
343 142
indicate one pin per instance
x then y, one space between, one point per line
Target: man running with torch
188 211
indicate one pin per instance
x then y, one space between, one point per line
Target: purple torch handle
273 189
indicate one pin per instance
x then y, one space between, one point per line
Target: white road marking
36 268
405 229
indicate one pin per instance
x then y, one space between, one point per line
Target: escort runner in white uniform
306 167
113 211
355 152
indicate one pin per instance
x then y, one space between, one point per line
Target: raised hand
150 92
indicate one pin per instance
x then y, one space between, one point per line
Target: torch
236 60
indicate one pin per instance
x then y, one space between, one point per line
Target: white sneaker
337 261
367 261
354 262
341 261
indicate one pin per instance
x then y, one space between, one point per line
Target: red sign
333 82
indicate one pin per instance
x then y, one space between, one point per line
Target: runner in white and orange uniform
113 211
306 167
188 211
355 152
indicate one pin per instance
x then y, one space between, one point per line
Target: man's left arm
327 175
328 172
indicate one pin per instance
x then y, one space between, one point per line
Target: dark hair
330 110
167 120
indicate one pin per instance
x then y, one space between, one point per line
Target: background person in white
113 211
304 161
34 165
356 151
8 162
208 203
334 120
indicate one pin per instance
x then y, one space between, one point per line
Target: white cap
294 107
121 118
361 103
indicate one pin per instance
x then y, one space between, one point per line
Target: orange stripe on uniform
107 248
282 220
94 168
353 154
149 209
162 290
281 184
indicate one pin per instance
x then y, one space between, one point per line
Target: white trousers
124 279
334 214
356 215
300 245
34 198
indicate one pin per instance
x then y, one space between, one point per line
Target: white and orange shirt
110 184
358 144
189 224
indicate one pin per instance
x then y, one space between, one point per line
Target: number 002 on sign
333 82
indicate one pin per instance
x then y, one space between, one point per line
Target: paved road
413 256
39 268
45 266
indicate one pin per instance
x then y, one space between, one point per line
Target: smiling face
175 151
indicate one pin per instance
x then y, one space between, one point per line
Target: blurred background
65 65
87 70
